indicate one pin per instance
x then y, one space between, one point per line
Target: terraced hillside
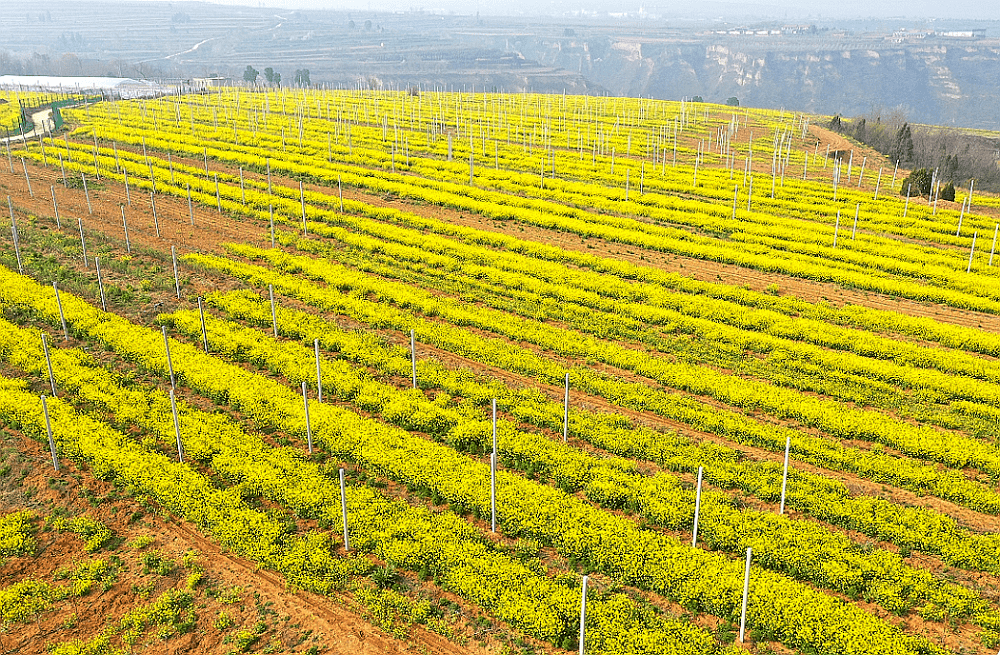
450 364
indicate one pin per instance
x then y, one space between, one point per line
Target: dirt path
42 120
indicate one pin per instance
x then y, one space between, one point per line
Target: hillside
827 67
368 371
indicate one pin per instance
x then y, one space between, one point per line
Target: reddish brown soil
343 630
337 626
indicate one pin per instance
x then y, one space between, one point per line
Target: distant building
964 34
202 83
122 87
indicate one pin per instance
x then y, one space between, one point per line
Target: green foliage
917 183
732 101
94 533
948 192
154 561
17 534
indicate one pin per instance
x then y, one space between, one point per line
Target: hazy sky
960 9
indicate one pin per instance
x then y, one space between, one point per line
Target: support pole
343 510
274 314
48 430
994 247
413 357
15 237
319 373
156 221
100 283
62 317
177 280
305 404
190 205
302 199
972 251
48 363
86 193
836 229
26 178
697 507
784 474
583 615
204 332
566 411
55 207
128 244
857 210
170 362
177 427
746 593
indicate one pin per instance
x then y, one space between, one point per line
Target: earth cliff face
934 82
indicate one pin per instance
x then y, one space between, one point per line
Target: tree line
940 155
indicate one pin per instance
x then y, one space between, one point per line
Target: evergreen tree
918 183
